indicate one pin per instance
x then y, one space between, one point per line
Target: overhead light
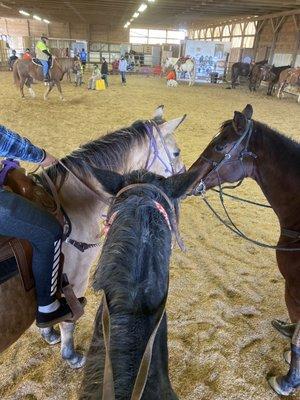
127 24
46 21
143 7
151 1
132 19
135 15
24 13
37 17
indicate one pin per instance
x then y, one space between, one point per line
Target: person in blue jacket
23 219
83 58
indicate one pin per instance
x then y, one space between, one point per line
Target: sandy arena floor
224 291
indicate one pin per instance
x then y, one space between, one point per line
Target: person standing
12 59
44 56
83 58
104 71
123 69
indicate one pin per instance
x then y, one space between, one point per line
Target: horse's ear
112 182
178 185
240 122
170 126
248 111
159 112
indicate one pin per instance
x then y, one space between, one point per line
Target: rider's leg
25 220
45 69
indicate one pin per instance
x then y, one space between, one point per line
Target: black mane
108 152
133 272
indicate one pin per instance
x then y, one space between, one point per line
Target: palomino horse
289 77
133 272
247 148
149 145
27 71
186 65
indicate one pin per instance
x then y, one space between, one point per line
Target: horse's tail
16 73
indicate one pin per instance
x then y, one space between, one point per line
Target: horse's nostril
219 147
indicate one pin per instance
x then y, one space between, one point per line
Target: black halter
216 166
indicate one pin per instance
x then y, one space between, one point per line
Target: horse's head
165 154
174 186
227 158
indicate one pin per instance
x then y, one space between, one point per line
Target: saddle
37 62
16 181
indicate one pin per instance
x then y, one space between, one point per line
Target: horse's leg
58 85
22 83
50 87
68 353
50 335
286 385
28 84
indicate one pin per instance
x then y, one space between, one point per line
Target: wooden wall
90 33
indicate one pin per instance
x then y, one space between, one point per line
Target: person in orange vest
27 55
171 76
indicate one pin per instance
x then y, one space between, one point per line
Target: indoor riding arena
231 292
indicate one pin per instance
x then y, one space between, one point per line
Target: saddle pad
8 269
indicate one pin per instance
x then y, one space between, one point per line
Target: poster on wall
209 57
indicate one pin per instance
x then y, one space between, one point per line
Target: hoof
51 336
286 330
76 362
287 356
279 388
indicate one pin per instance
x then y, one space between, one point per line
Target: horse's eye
176 153
220 147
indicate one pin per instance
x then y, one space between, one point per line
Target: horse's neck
278 178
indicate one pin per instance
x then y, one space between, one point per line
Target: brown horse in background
289 77
248 148
268 73
27 71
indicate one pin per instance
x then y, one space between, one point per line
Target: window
248 42
156 36
237 30
237 41
227 30
250 29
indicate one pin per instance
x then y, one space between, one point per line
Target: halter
153 149
201 188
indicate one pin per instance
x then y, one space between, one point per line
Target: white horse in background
182 64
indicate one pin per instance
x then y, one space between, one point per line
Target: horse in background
289 78
133 272
25 72
145 144
183 64
248 148
242 69
268 73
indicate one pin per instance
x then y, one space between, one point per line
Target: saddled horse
248 148
289 78
145 144
26 71
267 73
133 273
242 69
183 64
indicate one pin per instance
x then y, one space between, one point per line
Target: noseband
154 151
216 166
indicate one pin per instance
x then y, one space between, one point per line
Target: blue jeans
23 219
45 67
123 76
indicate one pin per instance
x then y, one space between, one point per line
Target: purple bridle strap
7 165
154 148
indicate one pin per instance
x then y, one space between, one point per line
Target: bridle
229 224
216 166
154 154
108 391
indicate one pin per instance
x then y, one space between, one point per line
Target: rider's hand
49 160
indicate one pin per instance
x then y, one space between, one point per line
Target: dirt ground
224 291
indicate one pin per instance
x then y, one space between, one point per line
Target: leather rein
108 391
229 224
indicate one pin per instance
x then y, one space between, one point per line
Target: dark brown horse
267 73
247 148
27 71
242 69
